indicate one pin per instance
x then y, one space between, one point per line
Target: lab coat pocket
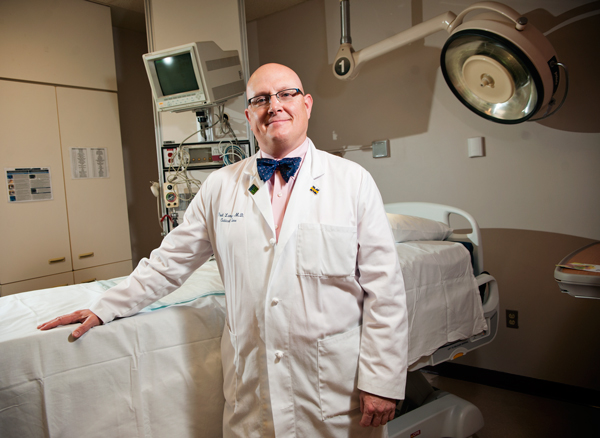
229 359
326 250
338 373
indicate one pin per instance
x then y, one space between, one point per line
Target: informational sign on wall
89 163
28 184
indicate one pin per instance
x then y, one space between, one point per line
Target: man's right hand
86 317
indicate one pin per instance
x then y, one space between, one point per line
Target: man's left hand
376 410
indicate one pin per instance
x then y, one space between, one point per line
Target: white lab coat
311 318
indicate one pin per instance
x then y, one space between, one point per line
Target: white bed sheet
441 295
159 374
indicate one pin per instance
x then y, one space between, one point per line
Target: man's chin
278 132
278 128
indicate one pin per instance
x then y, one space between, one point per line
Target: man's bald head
272 69
279 127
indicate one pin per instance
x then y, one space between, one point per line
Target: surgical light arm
348 62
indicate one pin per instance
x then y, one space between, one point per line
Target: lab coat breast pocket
338 373
326 250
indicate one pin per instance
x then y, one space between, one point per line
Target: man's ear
246 113
308 102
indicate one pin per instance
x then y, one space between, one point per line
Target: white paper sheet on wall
28 184
89 163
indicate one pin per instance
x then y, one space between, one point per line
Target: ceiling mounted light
497 65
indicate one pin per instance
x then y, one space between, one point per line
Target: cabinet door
97 207
48 282
34 236
105 272
57 42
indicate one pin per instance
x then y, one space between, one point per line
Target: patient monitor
192 76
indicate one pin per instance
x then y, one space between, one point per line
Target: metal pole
345 19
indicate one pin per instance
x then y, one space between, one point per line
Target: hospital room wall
137 136
535 192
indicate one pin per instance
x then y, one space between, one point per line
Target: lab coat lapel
261 196
302 199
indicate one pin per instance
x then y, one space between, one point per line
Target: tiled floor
509 414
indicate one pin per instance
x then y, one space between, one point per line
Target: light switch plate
381 148
476 147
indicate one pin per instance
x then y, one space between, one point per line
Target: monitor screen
194 75
176 74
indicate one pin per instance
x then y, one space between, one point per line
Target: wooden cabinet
60 58
97 207
67 42
34 236
113 270
85 223
47 282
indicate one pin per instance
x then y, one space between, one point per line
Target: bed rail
441 213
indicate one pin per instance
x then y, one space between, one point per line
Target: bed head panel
441 213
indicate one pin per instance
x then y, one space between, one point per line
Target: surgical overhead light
497 64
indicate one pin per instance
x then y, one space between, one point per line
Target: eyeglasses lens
282 96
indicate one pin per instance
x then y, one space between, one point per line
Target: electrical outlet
512 319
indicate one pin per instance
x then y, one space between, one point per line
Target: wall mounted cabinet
85 223
58 88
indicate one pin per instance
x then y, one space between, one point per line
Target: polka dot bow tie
287 167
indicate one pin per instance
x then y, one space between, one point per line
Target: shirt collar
300 151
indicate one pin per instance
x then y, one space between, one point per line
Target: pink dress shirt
281 191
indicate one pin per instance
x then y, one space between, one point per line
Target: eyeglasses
282 96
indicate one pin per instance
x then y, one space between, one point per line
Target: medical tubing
183 158
158 211
231 149
179 175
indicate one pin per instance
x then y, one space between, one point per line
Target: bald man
316 335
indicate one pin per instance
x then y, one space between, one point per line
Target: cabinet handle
87 254
56 260
61 285
91 280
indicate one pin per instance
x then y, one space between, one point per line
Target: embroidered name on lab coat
230 217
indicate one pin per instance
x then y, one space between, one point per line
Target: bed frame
429 412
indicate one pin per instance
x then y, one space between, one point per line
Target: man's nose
274 104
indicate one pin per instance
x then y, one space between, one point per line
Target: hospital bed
158 373
464 291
